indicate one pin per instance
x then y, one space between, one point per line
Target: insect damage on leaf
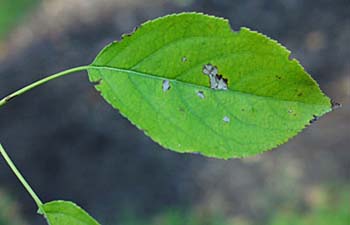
200 94
166 85
335 105
217 82
272 98
226 119
97 82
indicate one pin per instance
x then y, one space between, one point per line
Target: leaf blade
66 213
217 123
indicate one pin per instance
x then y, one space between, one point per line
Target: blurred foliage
324 206
176 217
9 212
11 12
183 2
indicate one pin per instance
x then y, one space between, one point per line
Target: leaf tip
335 105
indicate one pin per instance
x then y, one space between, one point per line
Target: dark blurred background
72 145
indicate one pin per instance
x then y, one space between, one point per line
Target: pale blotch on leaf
226 119
184 59
200 94
217 82
166 85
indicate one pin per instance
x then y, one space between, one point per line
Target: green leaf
169 79
66 213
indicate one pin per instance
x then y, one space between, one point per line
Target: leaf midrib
184 131
152 76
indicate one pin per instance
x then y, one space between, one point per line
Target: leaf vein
152 76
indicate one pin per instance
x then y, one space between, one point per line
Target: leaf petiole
14 95
21 179
40 82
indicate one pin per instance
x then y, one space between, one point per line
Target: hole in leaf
200 94
314 119
217 81
290 57
335 105
226 119
166 85
97 82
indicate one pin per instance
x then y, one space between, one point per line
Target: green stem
14 95
21 178
40 82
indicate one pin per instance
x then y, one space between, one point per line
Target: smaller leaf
66 213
